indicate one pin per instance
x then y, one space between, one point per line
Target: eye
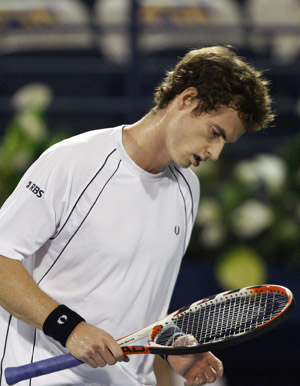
216 134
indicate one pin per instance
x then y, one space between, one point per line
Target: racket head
220 321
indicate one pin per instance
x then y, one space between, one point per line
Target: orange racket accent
156 330
268 288
130 350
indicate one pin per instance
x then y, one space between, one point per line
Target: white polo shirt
102 236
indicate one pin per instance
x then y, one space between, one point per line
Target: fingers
210 374
205 370
215 363
94 346
196 382
101 360
208 377
185 340
98 356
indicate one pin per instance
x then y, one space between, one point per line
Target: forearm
21 296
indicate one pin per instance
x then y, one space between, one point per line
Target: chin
183 165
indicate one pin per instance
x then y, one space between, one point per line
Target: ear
186 98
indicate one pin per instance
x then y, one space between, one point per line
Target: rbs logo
34 189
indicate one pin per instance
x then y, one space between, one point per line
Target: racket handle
16 374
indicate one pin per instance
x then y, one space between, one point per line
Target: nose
215 150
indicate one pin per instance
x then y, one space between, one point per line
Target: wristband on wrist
60 323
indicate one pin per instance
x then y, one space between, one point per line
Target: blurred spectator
40 25
168 25
279 41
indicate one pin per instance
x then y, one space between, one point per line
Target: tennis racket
214 323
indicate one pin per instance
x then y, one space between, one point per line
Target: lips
196 160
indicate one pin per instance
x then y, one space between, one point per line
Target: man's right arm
21 296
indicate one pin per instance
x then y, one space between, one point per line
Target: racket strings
230 317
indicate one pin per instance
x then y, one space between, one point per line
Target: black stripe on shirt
189 187
82 193
68 242
184 204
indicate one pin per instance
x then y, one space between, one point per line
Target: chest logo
177 230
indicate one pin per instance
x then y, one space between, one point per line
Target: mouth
196 160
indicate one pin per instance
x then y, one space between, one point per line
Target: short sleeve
32 213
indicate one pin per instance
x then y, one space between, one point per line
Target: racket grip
16 374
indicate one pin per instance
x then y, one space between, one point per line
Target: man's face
195 138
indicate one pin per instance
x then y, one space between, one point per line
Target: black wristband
60 323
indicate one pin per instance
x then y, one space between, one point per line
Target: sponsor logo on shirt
35 189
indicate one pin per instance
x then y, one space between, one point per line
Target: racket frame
153 330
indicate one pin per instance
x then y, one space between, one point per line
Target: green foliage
24 139
253 203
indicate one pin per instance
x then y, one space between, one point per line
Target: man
93 236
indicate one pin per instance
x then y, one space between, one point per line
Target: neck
144 142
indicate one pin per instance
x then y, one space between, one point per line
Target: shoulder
74 161
83 151
92 141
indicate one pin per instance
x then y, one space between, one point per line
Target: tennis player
93 236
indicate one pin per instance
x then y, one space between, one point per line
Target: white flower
212 235
267 169
251 218
209 218
208 211
32 125
33 96
272 171
246 173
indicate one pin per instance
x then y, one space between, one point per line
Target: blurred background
68 66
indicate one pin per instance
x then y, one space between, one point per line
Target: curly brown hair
222 79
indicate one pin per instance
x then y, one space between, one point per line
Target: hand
94 346
197 369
